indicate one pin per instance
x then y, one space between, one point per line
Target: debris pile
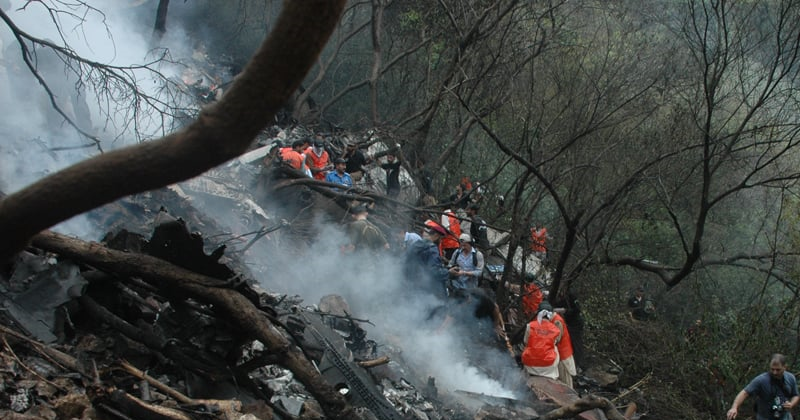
161 322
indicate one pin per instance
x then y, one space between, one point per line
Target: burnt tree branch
228 302
223 131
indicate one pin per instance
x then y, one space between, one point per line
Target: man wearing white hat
466 265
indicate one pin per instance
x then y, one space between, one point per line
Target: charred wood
138 409
228 303
586 403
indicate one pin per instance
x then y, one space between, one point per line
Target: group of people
448 270
311 157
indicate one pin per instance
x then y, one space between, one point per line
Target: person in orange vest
318 159
532 296
293 156
566 363
540 356
539 241
449 244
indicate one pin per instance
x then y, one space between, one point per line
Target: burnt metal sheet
35 308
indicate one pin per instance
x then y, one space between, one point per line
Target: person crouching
540 356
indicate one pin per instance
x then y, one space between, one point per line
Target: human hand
732 413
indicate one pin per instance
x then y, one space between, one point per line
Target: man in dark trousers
392 167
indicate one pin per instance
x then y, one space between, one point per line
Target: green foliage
410 19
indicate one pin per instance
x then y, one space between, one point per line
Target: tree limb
223 131
232 304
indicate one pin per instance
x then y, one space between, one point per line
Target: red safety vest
540 350
538 240
565 344
318 162
294 159
451 241
531 298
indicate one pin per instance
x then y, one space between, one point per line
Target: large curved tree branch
223 131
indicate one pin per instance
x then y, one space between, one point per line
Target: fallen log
589 402
230 303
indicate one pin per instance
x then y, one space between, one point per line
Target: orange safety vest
451 241
532 296
565 344
294 159
318 162
538 240
540 350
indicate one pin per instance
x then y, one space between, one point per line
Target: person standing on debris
423 264
449 244
392 168
318 159
641 308
460 199
466 266
539 242
355 160
775 392
567 305
477 227
566 362
532 296
339 176
540 356
363 234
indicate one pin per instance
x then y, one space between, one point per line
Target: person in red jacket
566 364
449 244
293 156
532 296
318 160
539 241
540 356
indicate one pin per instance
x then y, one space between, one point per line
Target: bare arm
734 411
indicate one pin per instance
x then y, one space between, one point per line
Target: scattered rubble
159 321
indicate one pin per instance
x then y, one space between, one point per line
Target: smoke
37 142
373 284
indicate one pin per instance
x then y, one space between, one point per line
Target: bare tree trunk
377 29
223 131
160 28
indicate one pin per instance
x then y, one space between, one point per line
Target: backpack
474 256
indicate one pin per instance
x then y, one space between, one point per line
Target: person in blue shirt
338 175
775 392
466 264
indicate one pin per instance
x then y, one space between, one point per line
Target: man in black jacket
477 228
